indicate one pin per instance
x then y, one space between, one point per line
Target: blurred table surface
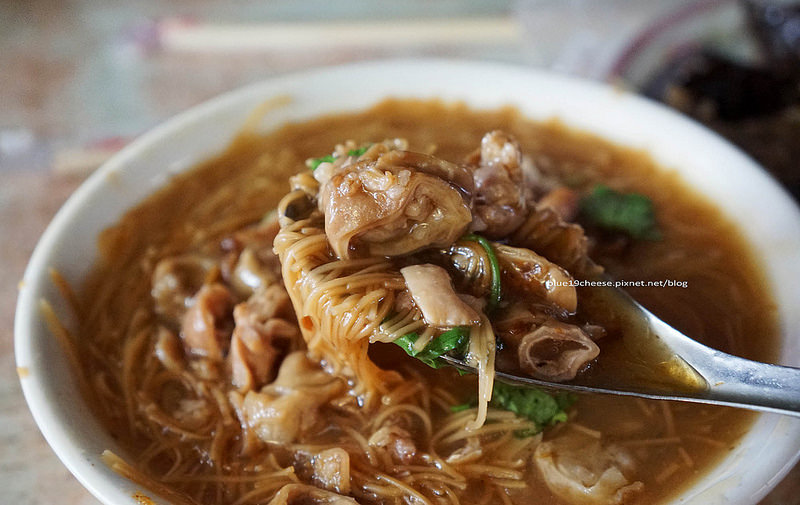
78 79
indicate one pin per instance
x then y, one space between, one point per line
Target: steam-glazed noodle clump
374 243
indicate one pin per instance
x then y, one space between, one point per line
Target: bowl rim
37 385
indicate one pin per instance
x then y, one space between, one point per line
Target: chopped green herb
536 405
496 289
461 407
313 163
629 213
358 152
453 340
526 433
407 343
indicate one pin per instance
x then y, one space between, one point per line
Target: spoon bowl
691 371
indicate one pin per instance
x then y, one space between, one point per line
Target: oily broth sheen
725 304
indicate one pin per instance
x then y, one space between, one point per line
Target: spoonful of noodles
484 265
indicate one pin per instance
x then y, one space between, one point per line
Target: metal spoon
694 372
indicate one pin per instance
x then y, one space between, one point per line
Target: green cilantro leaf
358 152
313 163
536 405
453 340
461 407
630 213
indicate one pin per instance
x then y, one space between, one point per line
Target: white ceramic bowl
769 220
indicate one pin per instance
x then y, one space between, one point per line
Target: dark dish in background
734 66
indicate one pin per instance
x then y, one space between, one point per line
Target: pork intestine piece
556 351
205 327
288 407
249 263
332 470
500 189
175 281
527 272
265 324
432 291
396 441
579 469
561 242
564 201
384 208
303 494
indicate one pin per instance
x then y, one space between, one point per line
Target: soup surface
196 429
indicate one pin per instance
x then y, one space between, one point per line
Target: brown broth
725 304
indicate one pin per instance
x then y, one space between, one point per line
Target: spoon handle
732 380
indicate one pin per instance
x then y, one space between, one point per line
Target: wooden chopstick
181 35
